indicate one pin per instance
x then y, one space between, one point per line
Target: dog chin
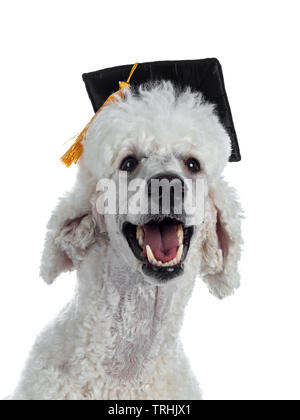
162 245
158 276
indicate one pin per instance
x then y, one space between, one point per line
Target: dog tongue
162 238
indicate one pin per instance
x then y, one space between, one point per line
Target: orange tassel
75 151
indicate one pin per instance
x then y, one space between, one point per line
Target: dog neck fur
131 319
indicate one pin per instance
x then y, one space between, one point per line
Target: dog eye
193 165
129 163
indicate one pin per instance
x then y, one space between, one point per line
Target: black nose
168 186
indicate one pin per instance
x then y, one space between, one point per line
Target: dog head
136 146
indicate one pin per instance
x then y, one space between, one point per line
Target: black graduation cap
203 75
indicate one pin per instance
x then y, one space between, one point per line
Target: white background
245 347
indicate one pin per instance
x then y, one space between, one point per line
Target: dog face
158 135
152 230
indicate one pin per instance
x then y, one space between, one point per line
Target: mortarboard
204 75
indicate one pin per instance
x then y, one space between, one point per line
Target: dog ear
221 243
71 231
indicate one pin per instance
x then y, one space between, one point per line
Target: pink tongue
162 238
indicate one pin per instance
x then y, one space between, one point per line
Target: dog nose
167 185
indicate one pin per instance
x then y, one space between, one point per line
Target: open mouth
162 245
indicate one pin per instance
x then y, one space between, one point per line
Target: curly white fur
118 338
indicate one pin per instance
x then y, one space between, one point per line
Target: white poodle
119 337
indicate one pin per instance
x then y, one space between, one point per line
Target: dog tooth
138 229
140 236
180 234
179 253
150 255
179 230
159 263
